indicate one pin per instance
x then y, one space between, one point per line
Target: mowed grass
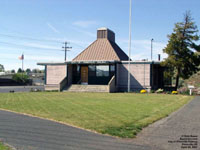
117 114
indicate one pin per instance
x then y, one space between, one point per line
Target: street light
130 14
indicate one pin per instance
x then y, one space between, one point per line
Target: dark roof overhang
79 62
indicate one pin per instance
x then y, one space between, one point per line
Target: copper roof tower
103 49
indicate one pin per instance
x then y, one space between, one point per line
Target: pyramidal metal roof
103 49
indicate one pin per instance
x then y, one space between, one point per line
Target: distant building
103 67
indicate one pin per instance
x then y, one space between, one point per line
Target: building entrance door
84 74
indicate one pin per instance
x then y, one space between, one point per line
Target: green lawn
3 147
117 114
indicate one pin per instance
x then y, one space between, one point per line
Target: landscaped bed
117 114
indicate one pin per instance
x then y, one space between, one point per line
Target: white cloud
52 28
84 24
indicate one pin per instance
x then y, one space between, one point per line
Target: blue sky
39 27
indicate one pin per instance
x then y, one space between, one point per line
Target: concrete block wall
55 73
139 76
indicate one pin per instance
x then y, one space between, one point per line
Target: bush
143 91
20 78
174 92
159 91
152 91
184 90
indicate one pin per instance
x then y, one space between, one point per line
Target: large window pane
92 70
91 67
102 71
78 68
112 68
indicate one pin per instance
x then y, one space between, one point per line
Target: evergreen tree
28 70
1 68
182 50
19 70
12 71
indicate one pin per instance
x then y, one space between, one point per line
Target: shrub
143 91
20 78
152 91
184 90
159 91
174 92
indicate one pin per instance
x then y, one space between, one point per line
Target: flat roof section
98 62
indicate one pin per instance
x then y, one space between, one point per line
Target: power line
66 48
36 39
14 44
29 38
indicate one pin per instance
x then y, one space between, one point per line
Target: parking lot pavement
7 89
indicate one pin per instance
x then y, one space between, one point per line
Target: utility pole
130 16
152 49
66 48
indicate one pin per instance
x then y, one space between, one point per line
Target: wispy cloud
40 46
85 24
52 28
85 32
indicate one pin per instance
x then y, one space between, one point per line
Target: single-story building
103 67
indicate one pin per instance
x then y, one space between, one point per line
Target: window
78 68
112 70
102 71
92 69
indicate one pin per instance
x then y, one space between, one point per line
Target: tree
182 50
12 71
19 70
1 68
35 70
21 79
28 70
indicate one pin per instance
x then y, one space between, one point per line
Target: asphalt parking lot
8 89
